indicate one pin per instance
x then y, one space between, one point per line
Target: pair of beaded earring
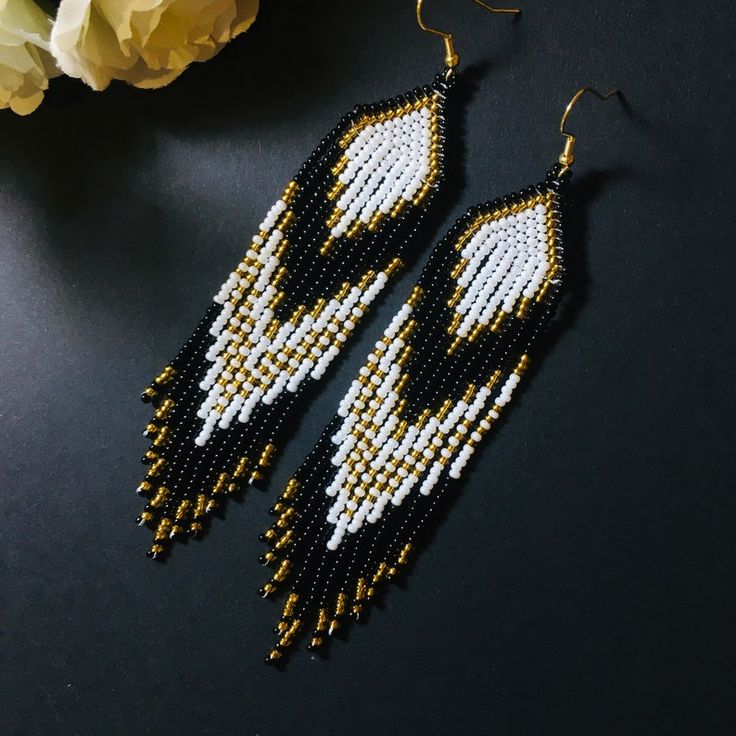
429 392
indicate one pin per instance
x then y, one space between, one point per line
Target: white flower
25 64
145 42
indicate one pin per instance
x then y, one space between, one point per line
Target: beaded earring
322 255
435 384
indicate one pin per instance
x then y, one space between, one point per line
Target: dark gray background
582 582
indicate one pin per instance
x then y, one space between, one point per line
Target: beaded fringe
434 386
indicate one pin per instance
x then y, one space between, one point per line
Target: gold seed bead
291 488
290 605
182 510
162 530
160 497
285 540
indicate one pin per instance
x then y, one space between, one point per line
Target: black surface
582 583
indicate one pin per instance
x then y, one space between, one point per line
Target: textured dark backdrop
582 582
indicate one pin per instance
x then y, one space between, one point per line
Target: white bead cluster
468 449
249 366
507 259
375 467
386 161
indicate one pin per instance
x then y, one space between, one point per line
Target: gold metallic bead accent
457 318
391 572
360 588
315 642
283 571
322 620
291 189
398 207
199 505
335 190
379 574
266 454
149 392
370 592
394 265
522 365
151 429
496 325
211 506
157 467
407 330
375 221
145 517
421 194
240 467
290 489
458 269
267 589
195 527
144 487
255 476
341 604
318 307
469 392
415 296
455 345
405 355
162 530
182 510
220 484
334 218
523 307
404 554
285 221
493 380
401 383
327 245
165 376
366 278
342 162
294 626
543 290
354 229
273 328
176 530
162 437
270 534
334 626
446 406
155 550
422 418
282 627
285 540
273 655
475 332
281 248
268 558
160 497
290 604
455 298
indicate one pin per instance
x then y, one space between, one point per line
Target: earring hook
451 57
568 154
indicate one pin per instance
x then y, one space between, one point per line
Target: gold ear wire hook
451 57
568 154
